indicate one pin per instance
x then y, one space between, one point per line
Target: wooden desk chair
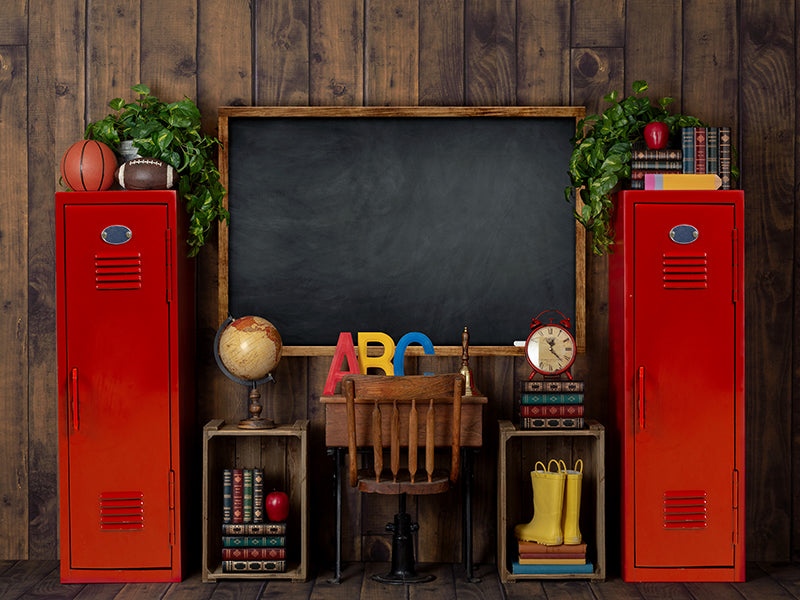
431 409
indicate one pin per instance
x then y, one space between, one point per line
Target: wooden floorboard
40 579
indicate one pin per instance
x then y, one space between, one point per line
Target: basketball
88 166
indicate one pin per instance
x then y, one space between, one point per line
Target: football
146 174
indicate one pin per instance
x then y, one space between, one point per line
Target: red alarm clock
550 348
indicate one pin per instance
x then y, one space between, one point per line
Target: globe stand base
256 421
256 424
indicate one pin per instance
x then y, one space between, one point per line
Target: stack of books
551 404
646 161
707 150
540 559
249 543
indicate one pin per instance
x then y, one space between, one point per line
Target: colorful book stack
646 161
540 559
707 150
551 404
249 543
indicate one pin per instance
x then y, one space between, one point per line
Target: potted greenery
171 132
601 156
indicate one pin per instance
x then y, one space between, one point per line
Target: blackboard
399 220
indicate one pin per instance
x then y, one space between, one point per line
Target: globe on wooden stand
247 350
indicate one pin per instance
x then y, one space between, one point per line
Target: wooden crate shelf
283 454
518 452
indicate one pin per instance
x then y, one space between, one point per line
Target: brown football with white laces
146 174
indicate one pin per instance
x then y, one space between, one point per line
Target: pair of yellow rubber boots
556 505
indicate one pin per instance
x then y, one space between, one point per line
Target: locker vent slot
685 509
118 272
121 511
686 272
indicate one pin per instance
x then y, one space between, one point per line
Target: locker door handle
641 397
76 425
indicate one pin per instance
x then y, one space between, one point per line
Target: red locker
125 293
677 382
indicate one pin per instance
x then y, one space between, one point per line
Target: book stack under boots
538 558
249 543
551 404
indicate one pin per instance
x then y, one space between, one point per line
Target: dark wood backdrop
726 61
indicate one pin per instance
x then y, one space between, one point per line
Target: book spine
238 496
554 559
551 410
253 553
519 569
253 541
700 150
244 566
548 423
247 495
712 151
655 165
551 398
554 556
258 495
227 496
725 157
533 547
663 154
537 385
254 529
687 145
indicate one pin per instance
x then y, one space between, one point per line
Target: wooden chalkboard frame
226 113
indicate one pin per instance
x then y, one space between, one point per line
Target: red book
700 136
551 410
552 555
238 496
253 553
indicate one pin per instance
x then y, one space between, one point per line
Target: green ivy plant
171 132
601 156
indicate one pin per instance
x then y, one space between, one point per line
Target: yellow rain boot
548 501
572 503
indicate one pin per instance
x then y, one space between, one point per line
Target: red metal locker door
684 359
117 323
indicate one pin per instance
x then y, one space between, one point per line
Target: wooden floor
40 579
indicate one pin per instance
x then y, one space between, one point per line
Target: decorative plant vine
601 156
171 132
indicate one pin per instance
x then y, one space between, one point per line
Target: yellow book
682 181
552 561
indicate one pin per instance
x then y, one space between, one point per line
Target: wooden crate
283 454
519 450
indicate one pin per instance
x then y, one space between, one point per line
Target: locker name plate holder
684 234
116 234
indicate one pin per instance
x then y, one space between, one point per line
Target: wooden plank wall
726 61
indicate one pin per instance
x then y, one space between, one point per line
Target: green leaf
141 89
639 86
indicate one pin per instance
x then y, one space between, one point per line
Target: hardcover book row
249 542
546 404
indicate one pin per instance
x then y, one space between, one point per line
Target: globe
250 348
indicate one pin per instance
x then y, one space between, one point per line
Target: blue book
687 144
519 569
547 398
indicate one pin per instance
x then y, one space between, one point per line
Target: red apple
656 135
277 505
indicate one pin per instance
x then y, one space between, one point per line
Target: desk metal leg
337 476
469 456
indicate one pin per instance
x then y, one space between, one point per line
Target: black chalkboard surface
399 223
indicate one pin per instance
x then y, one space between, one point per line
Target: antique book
253 553
253 541
227 496
254 528
551 410
238 496
244 566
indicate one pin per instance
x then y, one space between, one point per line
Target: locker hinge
735 278
172 507
169 265
735 504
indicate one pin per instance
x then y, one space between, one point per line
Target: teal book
687 144
247 495
551 398
253 541
519 569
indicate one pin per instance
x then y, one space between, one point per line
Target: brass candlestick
465 371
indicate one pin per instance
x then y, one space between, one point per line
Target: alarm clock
550 348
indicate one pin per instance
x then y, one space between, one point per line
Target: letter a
344 349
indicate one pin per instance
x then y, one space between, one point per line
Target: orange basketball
88 166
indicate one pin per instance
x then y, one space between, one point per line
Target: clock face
550 349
